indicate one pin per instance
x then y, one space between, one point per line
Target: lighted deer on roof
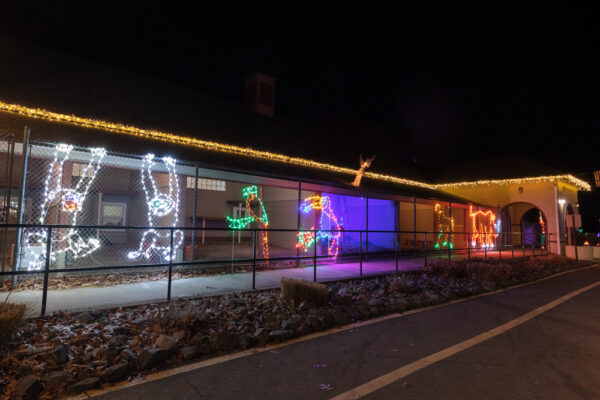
364 164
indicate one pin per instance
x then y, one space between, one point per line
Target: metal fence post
170 266
485 245
512 245
194 231
21 205
46 269
468 246
499 247
361 253
425 247
396 249
254 260
315 257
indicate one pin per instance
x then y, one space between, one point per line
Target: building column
557 215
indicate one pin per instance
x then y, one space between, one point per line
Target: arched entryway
534 228
524 224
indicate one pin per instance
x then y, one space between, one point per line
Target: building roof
43 79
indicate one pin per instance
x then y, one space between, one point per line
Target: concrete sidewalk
79 299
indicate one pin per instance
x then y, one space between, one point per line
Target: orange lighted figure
483 227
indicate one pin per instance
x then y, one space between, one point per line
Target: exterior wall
543 195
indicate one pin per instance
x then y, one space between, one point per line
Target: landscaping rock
110 353
24 370
28 387
152 357
279 335
189 352
340 317
59 355
32 351
247 342
116 372
353 313
85 384
288 325
179 335
118 341
129 355
56 378
166 342
261 335
326 319
224 341
199 340
122 330
205 348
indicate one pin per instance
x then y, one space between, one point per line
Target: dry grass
11 319
296 291
400 284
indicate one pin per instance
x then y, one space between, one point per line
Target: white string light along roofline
159 205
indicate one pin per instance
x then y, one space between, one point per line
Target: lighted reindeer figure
484 228
161 206
67 200
444 225
250 194
361 171
309 238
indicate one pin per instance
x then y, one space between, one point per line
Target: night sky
420 85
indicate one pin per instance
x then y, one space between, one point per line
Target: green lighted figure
250 194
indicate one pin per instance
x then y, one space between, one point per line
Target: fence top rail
191 228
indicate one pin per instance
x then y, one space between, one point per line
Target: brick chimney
260 93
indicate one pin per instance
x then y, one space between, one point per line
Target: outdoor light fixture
159 204
69 200
561 201
250 194
310 238
483 228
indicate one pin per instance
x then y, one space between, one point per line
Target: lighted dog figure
484 228
444 225
308 238
159 205
361 171
250 194
69 200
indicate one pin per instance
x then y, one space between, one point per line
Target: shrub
297 291
11 318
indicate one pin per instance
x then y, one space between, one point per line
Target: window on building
79 170
114 214
207 184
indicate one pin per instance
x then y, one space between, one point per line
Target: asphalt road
555 355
